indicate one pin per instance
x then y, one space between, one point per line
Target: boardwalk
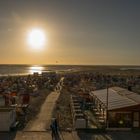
43 119
38 129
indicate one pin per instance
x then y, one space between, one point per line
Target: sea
12 70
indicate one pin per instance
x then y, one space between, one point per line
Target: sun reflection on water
36 69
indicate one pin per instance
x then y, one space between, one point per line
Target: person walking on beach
56 126
52 126
54 129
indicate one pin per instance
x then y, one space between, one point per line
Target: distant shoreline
24 70
113 65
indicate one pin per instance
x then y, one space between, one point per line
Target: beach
31 94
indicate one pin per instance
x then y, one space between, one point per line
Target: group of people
100 80
15 83
11 87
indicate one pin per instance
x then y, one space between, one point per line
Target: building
7 118
119 108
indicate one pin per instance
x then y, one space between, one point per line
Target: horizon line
138 65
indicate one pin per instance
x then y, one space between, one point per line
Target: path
21 135
43 119
37 129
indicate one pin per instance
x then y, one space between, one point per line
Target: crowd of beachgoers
26 94
101 80
81 83
18 85
73 83
31 83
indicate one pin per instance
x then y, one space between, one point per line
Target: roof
3 109
129 94
117 97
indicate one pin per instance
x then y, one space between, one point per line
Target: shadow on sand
57 137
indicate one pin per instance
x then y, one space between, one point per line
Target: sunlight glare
36 69
36 38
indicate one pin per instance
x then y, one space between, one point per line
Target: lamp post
107 96
107 107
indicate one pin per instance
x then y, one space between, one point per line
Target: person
52 126
56 126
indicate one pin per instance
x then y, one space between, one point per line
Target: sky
84 32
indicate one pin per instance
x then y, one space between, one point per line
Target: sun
36 38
